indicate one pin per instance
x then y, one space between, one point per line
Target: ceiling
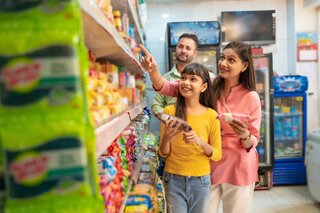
162 1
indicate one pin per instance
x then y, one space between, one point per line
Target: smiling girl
187 170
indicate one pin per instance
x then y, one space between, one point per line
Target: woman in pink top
233 177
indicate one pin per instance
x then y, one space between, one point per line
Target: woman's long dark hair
205 97
247 78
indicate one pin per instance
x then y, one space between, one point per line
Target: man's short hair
191 36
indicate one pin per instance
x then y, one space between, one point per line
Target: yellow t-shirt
190 159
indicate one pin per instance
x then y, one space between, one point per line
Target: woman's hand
240 128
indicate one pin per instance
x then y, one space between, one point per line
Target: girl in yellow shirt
187 171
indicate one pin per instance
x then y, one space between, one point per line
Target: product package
48 142
183 125
228 117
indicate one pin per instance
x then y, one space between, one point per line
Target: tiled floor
284 199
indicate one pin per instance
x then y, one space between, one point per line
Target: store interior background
292 16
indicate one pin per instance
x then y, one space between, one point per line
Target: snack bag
228 117
183 125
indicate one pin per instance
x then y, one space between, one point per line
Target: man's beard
187 60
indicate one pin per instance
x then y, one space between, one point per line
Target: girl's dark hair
205 97
247 78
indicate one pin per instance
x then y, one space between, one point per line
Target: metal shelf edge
108 132
136 110
104 40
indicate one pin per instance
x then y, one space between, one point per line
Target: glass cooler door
263 73
288 127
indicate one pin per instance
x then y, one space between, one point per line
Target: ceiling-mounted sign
307 46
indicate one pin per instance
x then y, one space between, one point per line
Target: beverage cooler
207 56
208 33
290 129
264 73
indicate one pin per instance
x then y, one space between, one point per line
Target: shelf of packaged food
134 177
126 196
108 132
127 6
288 114
102 38
135 110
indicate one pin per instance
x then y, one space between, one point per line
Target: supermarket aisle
284 199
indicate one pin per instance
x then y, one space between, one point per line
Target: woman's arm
249 133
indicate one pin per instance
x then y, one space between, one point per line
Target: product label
57 166
22 5
51 72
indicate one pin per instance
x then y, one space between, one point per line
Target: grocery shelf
127 6
135 110
288 114
108 132
134 178
126 196
102 38
137 166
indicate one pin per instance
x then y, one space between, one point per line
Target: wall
306 19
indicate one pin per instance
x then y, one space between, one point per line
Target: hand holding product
228 117
183 125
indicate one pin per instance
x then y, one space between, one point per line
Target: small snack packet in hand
228 117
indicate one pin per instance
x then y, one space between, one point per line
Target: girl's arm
215 139
159 83
166 141
151 66
191 136
168 132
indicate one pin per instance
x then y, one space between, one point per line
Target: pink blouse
238 166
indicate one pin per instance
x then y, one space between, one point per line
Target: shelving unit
127 5
104 41
108 132
134 178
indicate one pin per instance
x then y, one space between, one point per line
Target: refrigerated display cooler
290 128
313 164
264 86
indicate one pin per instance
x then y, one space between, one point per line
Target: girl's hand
148 62
171 130
240 128
191 136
